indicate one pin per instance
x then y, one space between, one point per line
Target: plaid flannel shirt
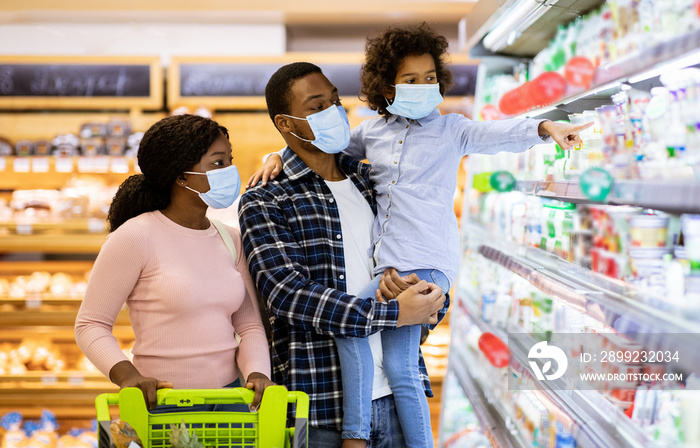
293 239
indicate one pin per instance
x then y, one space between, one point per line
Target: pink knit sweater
185 298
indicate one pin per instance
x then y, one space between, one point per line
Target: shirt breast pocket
423 151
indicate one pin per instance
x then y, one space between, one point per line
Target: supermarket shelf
36 300
492 421
83 243
71 267
31 317
671 197
594 421
531 40
12 334
89 225
607 300
32 172
68 377
609 77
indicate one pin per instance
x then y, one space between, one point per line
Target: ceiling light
514 21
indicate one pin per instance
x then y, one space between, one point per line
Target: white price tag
85 164
64 165
119 165
76 379
100 164
3 163
40 164
24 229
96 225
33 301
22 164
49 378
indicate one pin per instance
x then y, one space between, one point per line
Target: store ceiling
299 12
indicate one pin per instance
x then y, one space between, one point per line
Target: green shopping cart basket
266 428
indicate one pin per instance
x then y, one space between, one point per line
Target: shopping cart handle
191 397
102 404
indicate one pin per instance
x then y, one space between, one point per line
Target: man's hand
257 382
566 135
391 284
269 170
124 374
419 304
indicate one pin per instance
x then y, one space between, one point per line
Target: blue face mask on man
330 127
224 186
415 101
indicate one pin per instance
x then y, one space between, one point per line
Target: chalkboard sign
205 80
220 80
80 82
75 80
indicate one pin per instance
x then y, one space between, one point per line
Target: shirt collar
295 168
435 114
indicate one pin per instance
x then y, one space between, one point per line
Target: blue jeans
386 430
401 347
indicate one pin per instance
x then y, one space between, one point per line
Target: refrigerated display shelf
671 197
492 417
594 421
610 301
634 70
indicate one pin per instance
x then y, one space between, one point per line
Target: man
307 235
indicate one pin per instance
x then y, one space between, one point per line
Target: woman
189 301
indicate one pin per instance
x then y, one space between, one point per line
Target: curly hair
384 53
168 148
280 83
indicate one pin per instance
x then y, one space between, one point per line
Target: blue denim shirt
414 174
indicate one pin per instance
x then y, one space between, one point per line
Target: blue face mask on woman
415 101
330 127
224 186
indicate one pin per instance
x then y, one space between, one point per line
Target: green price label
502 181
596 184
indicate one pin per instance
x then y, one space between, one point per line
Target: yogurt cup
648 230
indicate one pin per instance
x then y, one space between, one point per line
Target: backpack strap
228 241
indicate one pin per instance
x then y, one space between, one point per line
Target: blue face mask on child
415 100
330 127
224 187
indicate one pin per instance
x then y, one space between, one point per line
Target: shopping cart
266 428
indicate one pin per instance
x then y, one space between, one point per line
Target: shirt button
331 200
395 162
342 276
387 216
338 236
388 195
393 181
406 126
400 141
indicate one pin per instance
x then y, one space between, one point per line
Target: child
415 153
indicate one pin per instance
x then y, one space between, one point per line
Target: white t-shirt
356 220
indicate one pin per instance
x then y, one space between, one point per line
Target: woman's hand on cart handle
124 374
257 382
